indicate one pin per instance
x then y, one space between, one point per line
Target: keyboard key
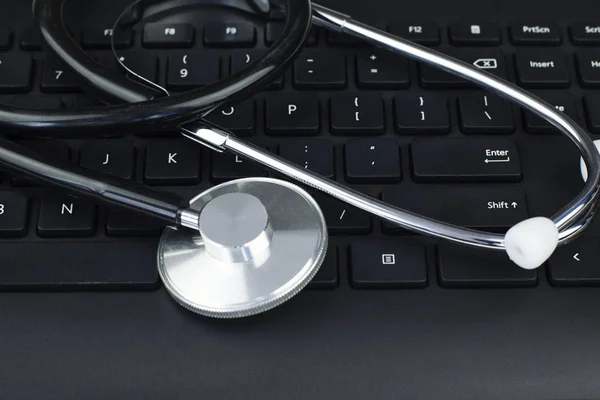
240 60
387 264
5 38
63 267
31 39
462 267
466 160
121 222
546 69
563 102
421 114
592 105
15 73
427 34
482 113
58 79
172 162
576 263
342 218
238 118
476 34
14 214
48 148
357 114
343 39
490 208
543 34
227 166
292 114
140 62
376 69
274 31
62 215
158 35
585 33
327 277
312 154
320 69
116 159
372 161
189 70
588 68
100 38
234 34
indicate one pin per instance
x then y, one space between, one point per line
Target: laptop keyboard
407 133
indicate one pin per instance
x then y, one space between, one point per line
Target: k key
62 215
189 70
357 114
422 114
110 158
485 113
172 162
312 154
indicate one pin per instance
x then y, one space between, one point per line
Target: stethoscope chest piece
259 242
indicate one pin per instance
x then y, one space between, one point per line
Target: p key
292 114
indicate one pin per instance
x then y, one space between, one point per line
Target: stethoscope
246 246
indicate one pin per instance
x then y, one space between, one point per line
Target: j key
100 38
14 214
387 264
357 114
381 70
342 218
115 159
15 73
588 68
238 118
576 263
189 70
561 101
536 69
461 267
172 162
140 62
292 114
226 167
490 60
235 34
474 34
421 114
372 160
121 222
275 29
494 209
592 105
426 34
240 60
168 35
62 215
48 148
485 113
466 160
5 38
57 79
327 277
320 69
543 34
312 154
585 33
31 39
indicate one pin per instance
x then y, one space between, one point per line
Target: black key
14 214
62 215
342 218
234 34
482 113
122 222
275 29
15 73
49 148
576 263
491 208
158 35
240 60
376 69
546 69
588 68
133 268
320 69
357 114
292 114
427 34
116 159
477 34
592 105
372 160
226 167
466 160
462 267
58 79
585 33
490 60
387 264
421 114
563 102
140 62
172 162
5 38
37 102
542 34
312 154
100 38
31 39
327 277
238 118
189 70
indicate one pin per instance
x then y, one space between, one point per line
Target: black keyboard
387 126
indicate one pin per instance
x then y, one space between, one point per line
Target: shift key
466 160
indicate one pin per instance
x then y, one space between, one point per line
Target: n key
15 73
172 162
66 216
357 114
422 114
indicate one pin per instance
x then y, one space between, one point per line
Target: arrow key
576 264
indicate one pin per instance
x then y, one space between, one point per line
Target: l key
357 114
